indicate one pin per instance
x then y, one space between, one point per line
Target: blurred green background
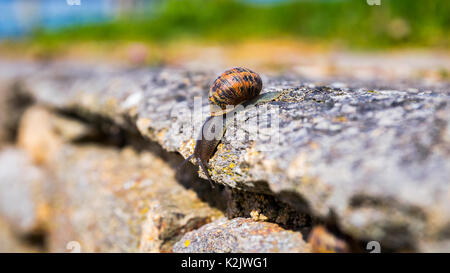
311 37
349 23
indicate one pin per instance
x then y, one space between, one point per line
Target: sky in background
18 17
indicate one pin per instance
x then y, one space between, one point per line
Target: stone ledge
376 159
105 198
241 235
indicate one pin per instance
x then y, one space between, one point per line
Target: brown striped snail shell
233 87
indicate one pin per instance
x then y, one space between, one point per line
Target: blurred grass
349 23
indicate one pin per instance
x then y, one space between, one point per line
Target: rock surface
12 104
322 241
9 243
261 207
119 201
13 101
241 235
24 191
108 199
373 156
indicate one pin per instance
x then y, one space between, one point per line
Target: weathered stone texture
372 156
13 101
241 235
11 243
24 191
123 201
119 201
108 199
322 241
376 158
262 207
12 104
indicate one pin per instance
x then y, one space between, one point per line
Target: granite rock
375 157
120 201
107 198
323 241
241 235
11 243
24 192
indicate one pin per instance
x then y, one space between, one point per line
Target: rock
121 201
241 235
42 133
374 156
10 243
108 199
24 192
261 207
13 102
4 133
13 99
322 241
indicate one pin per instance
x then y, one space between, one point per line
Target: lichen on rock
241 235
373 156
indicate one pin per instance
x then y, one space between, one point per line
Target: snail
236 86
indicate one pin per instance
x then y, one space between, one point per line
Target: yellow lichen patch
340 119
262 217
190 145
228 170
254 214
144 210
371 91
220 151
187 148
257 216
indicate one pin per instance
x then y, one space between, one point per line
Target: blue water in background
21 17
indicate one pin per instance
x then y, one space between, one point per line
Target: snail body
206 145
237 86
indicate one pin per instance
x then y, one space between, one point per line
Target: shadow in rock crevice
14 100
288 209
105 132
